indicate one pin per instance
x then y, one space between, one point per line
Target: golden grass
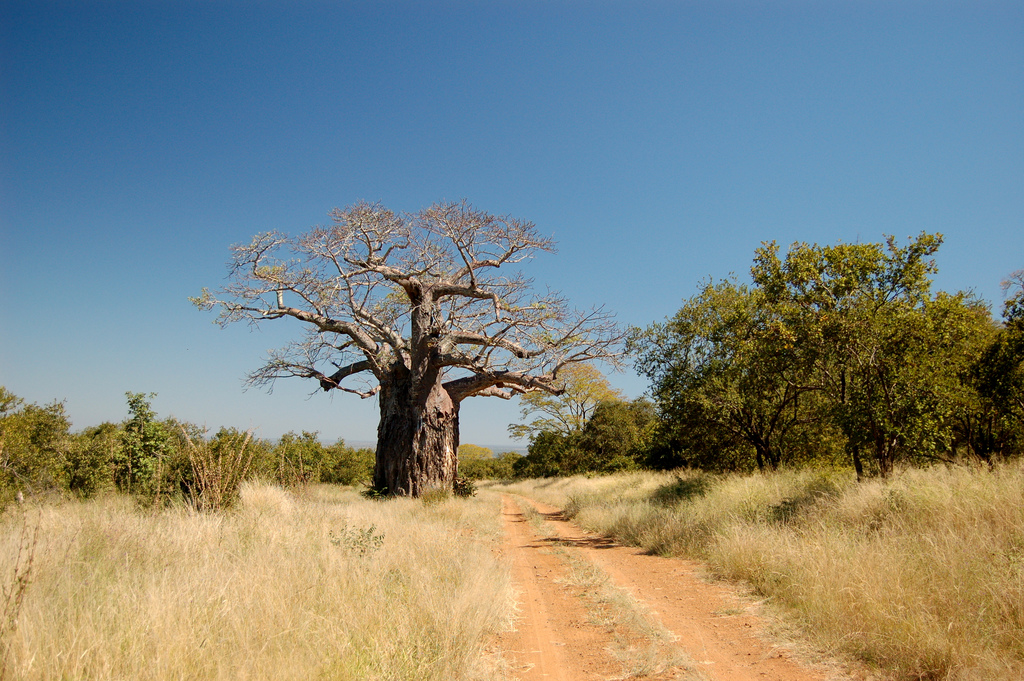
921 576
282 587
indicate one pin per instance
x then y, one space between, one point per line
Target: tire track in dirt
553 639
714 626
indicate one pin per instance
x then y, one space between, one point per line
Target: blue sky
659 143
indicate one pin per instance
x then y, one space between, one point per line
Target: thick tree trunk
417 439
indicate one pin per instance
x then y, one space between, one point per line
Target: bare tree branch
379 290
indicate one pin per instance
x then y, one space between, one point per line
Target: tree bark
417 439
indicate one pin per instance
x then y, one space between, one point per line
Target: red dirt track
555 639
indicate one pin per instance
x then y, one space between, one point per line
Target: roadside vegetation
156 460
314 583
920 575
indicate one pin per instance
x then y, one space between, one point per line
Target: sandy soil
555 639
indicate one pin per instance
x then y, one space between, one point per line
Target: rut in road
556 639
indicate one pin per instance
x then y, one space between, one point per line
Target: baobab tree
422 310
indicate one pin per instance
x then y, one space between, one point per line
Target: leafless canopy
435 290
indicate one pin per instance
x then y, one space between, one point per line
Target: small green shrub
464 487
359 542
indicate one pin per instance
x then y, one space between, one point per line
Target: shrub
219 467
91 458
145 442
464 487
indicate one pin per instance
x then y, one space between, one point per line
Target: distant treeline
155 459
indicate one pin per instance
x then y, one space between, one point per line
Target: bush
463 487
219 467
91 459
349 466
145 443
34 444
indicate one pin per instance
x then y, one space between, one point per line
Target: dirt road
558 638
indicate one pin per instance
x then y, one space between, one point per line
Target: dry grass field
920 576
316 585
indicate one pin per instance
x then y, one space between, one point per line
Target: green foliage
479 463
728 363
34 444
833 352
860 313
348 466
998 376
488 467
475 462
582 388
219 466
464 487
503 466
618 435
470 452
156 460
615 438
356 541
301 459
91 458
145 444
550 454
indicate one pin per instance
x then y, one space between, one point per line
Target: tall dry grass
326 585
921 576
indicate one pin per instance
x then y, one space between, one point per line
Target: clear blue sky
659 143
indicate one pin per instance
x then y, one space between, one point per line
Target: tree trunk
417 439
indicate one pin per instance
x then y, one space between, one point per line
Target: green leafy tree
301 459
551 454
12 436
998 376
618 435
34 444
140 464
581 388
832 347
886 353
480 463
502 467
615 438
728 364
349 466
475 461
